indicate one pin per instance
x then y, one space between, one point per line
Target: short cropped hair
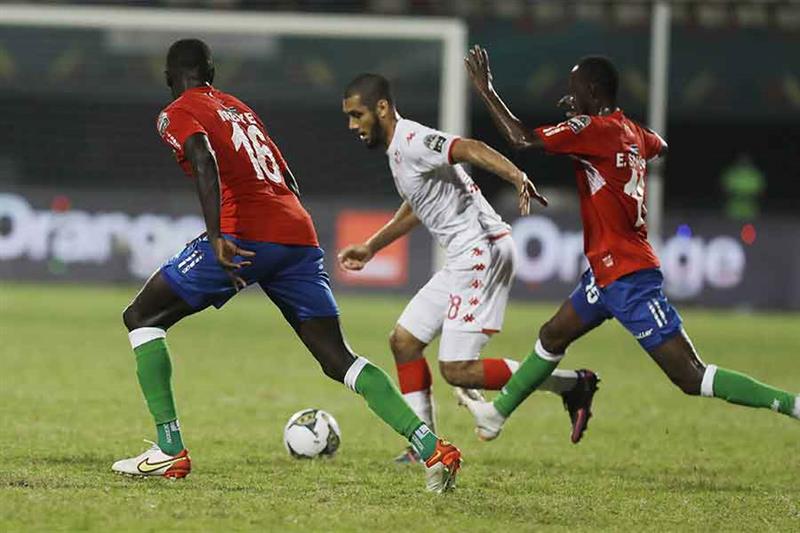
372 88
191 55
602 72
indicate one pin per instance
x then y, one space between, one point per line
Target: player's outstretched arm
512 128
204 167
481 155
356 256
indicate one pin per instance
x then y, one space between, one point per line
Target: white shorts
465 301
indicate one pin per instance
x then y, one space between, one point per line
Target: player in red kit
610 154
257 231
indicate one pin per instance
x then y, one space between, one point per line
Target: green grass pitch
653 459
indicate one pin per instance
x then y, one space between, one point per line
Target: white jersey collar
394 136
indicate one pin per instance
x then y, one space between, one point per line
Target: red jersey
610 154
256 203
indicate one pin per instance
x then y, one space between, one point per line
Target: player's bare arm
481 155
356 256
204 167
512 128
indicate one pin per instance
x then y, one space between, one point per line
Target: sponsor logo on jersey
552 130
410 136
162 123
608 260
578 123
434 142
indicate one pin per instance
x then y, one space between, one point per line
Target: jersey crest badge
434 142
162 123
578 123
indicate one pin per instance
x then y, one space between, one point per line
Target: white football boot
154 462
488 421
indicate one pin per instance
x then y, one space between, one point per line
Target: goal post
450 32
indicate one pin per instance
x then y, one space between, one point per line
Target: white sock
560 381
421 402
796 410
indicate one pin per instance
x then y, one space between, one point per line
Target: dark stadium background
77 110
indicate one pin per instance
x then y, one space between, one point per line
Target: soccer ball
311 433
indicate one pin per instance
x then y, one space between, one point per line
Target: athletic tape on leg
544 354
141 336
352 373
707 385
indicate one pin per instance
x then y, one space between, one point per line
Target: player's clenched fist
354 257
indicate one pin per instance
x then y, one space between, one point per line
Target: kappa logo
578 123
434 142
162 123
410 136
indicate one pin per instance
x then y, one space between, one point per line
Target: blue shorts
293 277
635 300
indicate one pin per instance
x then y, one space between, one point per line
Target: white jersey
441 194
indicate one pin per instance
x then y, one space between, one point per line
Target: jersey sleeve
576 136
175 126
654 144
429 149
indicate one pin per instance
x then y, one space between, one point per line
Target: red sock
414 376
496 373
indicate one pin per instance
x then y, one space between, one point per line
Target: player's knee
131 318
455 372
335 365
688 381
404 347
333 371
334 362
553 340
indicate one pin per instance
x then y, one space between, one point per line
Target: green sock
385 400
154 370
743 390
169 437
533 371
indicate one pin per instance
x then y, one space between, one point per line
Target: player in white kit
465 301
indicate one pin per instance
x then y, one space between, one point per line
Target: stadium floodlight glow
451 32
